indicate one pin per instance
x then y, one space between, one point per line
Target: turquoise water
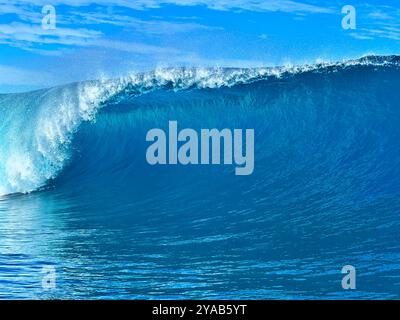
78 194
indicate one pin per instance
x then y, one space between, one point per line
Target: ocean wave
38 128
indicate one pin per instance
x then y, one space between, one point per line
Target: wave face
324 192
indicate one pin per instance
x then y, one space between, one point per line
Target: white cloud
31 37
16 32
28 34
361 36
250 5
378 22
153 27
392 33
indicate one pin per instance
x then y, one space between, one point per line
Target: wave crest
37 128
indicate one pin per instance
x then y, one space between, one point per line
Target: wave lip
37 128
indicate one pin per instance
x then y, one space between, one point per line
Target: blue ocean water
77 193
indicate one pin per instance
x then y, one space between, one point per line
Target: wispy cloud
26 36
17 33
152 27
377 22
82 29
29 11
33 37
250 5
262 5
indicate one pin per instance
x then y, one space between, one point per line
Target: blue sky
112 38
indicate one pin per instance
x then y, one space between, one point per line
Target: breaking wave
38 128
